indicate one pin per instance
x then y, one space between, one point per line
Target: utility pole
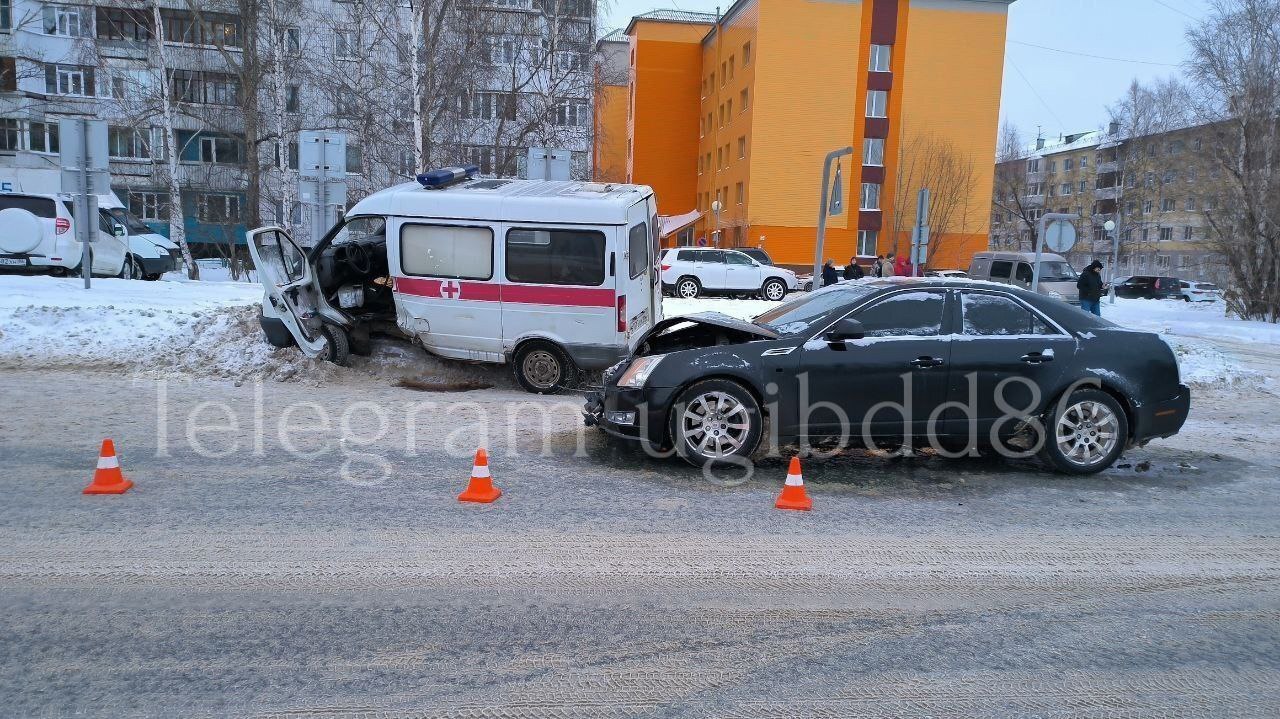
824 209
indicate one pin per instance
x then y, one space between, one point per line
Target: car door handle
926 362
1038 357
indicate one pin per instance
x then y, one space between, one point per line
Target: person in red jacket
902 266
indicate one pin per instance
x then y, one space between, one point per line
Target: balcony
1108 193
1105 168
1033 200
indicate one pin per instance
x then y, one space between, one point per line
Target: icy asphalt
263 583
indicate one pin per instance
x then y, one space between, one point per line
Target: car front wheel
774 290
1087 431
715 421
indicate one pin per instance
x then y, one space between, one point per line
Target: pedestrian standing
875 266
886 267
853 271
1090 286
902 267
829 276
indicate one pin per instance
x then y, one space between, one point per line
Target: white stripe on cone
108 462
480 471
795 480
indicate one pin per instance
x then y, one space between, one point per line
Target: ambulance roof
491 200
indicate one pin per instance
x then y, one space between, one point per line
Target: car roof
1023 256
497 200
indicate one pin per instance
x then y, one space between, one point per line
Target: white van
555 277
1057 276
38 234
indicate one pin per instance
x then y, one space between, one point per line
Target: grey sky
1071 92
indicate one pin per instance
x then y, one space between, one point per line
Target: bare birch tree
1010 196
932 162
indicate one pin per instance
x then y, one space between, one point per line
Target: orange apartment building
743 108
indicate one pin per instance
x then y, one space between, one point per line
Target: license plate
13 261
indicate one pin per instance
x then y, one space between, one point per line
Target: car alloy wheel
774 290
1087 433
715 425
687 288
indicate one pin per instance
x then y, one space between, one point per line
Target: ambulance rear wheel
337 347
543 368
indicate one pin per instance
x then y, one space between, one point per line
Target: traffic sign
1060 236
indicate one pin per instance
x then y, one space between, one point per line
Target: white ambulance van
554 277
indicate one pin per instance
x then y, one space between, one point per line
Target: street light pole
823 211
1113 230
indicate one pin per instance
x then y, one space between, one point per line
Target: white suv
692 271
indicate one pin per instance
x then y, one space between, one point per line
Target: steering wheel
359 259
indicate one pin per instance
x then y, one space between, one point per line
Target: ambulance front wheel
337 347
543 368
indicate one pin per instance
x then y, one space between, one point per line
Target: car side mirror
845 329
118 230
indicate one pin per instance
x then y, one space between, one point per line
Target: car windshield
798 315
132 224
1056 271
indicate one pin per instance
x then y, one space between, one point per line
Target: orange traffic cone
481 488
793 495
108 479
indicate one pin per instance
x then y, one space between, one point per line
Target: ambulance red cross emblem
450 289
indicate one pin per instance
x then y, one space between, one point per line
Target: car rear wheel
774 289
543 368
688 288
715 421
1086 431
131 269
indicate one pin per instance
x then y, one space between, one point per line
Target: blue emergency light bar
437 179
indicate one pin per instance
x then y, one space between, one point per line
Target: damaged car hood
713 319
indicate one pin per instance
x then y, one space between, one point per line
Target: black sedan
962 366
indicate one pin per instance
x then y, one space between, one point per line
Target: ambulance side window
638 249
555 257
464 253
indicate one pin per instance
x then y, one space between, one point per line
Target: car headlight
163 252
638 373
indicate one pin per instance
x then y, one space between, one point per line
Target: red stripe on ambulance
517 294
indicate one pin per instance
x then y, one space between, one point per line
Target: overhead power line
1095 57
1032 87
1166 5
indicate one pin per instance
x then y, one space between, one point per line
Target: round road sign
1060 236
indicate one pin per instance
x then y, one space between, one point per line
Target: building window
8 74
742 100
1166 234
346 43
1066 189
123 24
1162 262
1068 164
291 40
355 158
217 208
740 193
1191 204
573 113
67 20
746 54
291 98
6 15
1168 204
152 206
1084 186
873 151
1188 233
880 58
43 137
867 240
489 106
10 134
742 148
205 88
74 80
128 144
209 29
870 196
1053 167
877 103
1084 161
219 150
1033 165
1147 206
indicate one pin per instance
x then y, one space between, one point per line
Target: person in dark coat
853 271
829 276
1090 287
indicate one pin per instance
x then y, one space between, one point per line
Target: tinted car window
1024 272
801 314
38 206
716 256
737 258
910 314
555 257
1000 269
758 255
990 315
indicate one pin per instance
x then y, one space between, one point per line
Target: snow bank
180 327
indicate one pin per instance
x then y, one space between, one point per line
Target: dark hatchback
1150 287
985 362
